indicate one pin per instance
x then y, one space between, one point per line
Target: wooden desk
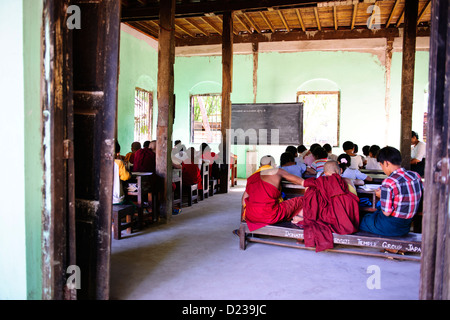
377 178
292 190
177 178
371 194
143 181
372 171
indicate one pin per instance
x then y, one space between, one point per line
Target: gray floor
196 257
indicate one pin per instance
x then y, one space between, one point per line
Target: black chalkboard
267 124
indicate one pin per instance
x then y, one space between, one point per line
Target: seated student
356 160
365 150
301 151
320 156
329 150
372 162
308 158
287 163
190 170
262 203
418 152
329 206
120 174
347 172
129 157
400 195
144 159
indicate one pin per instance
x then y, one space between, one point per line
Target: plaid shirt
401 193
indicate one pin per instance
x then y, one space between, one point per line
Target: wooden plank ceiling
199 22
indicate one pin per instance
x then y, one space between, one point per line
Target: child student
308 158
287 162
347 172
372 162
356 160
329 150
301 150
400 195
321 157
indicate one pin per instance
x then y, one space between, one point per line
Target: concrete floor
197 257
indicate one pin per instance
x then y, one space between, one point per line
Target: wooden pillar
387 101
255 70
407 92
227 75
166 57
435 263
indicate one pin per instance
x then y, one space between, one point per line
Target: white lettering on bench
412 248
386 245
289 234
367 243
342 241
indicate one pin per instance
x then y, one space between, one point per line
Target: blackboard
267 124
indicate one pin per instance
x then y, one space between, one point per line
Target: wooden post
255 70
387 101
407 92
166 57
227 75
435 264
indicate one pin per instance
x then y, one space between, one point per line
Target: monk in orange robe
261 202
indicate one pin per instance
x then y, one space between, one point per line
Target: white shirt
418 151
356 162
372 164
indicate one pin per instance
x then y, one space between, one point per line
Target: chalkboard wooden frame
257 123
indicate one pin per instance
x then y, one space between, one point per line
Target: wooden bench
177 179
361 243
205 181
190 192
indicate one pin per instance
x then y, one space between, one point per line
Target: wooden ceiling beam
191 9
283 19
355 10
394 7
304 36
316 14
422 12
300 20
246 27
335 18
209 23
267 21
252 22
196 26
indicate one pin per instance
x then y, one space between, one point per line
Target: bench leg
242 237
116 228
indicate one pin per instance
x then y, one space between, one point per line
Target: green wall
138 68
359 76
20 239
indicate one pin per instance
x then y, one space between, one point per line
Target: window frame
191 105
149 112
325 92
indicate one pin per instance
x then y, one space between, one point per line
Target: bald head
331 167
267 160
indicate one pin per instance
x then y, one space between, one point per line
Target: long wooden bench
361 243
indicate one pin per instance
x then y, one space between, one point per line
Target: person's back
144 160
287 163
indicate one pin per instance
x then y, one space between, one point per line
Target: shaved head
331 167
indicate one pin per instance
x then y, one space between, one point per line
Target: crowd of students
399 194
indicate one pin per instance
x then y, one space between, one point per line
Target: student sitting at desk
129 157
301 152
347 172
287 162
329 206
308 158
144 159
329 150
321 157
400 195
190 171
372 162
356 160
120 174
262 203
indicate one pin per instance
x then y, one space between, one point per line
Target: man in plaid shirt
400 195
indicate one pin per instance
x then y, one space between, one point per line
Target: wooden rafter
400 19
196 25
422 12
243 23
234 27
316 13
300 20
267 21
355 10
252 22
283 19
388 22
185 30
211 24
335 18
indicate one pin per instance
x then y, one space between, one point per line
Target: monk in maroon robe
144 160
328 207
262 204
